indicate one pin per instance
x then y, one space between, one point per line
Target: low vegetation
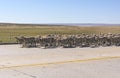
8 32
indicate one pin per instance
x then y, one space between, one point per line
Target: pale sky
60 11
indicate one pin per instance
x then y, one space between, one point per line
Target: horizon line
59 23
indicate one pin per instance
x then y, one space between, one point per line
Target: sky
60 11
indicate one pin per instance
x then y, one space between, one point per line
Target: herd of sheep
70 41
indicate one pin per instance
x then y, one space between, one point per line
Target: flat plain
17 62
8 32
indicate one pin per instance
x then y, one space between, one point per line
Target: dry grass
7 33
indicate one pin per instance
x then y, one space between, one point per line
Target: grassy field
7 33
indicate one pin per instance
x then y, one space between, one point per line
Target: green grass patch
8 33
